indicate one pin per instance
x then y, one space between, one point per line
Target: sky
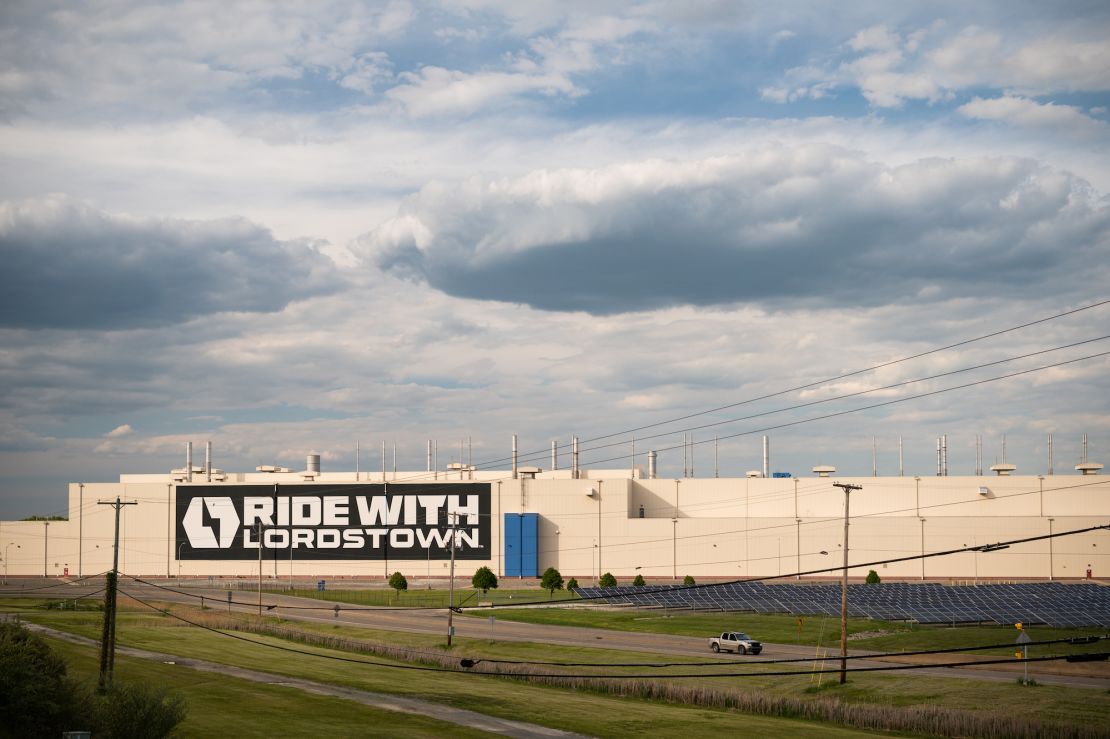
291 228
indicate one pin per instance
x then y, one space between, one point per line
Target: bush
398 582
484 579
872 577
639 581
134 711
607 580
551 581
572 584
688 580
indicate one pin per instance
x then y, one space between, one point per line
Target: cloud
815 224
439 91
890 67
169 57
118 431
1065 119
68 265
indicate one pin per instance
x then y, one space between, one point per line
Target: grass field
583 711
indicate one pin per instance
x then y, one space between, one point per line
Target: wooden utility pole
451 585
108 634
844 586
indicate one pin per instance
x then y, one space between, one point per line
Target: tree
639 581
572 584
484 579
688 580
551 581
398 582
607 580
873 578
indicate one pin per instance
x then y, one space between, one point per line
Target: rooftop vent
1004 469
824 470
1088 468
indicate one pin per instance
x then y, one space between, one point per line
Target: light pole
922 520
1051 570
179 559
798 548
6 548
593 562
599 528
674 549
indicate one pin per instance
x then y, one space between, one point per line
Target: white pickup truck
735 641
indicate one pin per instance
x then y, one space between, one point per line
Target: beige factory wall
741 527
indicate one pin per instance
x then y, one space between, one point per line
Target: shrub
135 711
607 580
639 581
398 582
688 580
872 578
484 579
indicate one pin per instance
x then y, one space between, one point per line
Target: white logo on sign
203 537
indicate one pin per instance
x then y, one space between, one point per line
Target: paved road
459 716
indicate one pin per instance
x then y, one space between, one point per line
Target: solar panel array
1051 604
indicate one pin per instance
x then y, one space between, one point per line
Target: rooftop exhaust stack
554 455
651 464
574 457
208 461
312 463
188 461
516 473
766 456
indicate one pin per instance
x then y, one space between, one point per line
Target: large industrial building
199 521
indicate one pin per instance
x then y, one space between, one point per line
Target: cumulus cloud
1066 119
69 265
811 223
118 431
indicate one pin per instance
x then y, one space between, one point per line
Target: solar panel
1053 604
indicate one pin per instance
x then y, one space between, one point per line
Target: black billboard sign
398 521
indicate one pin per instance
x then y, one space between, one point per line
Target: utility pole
258 528
451 586
847 488
108 634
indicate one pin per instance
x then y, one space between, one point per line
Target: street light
179 559
6 548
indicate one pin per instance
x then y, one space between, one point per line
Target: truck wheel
715 647
741 649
